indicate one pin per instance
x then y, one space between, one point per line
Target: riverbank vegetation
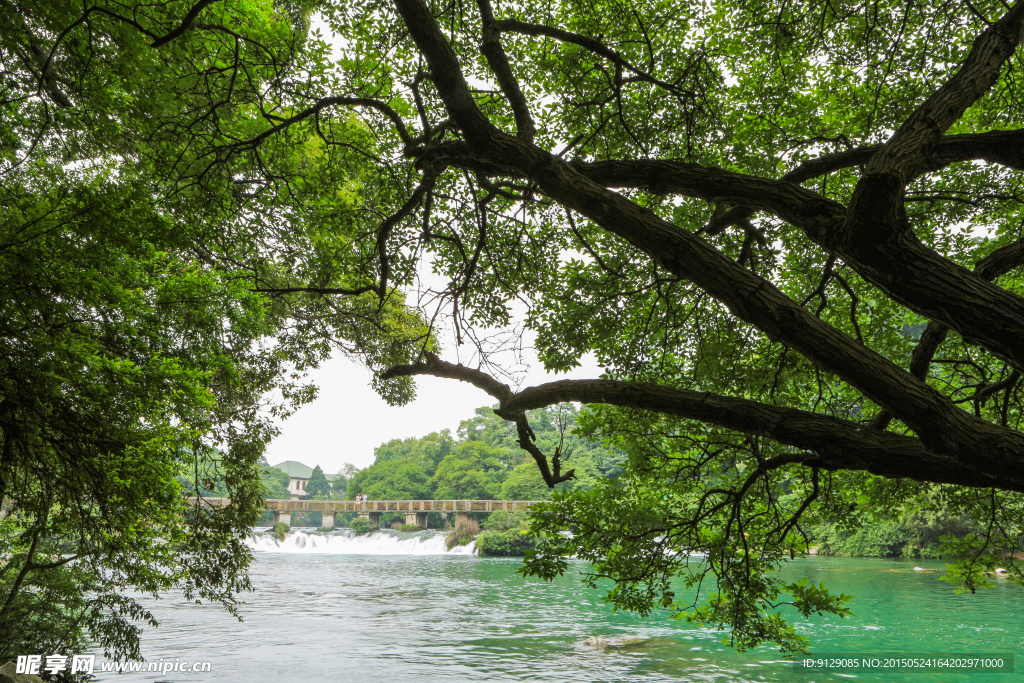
505 534
922 533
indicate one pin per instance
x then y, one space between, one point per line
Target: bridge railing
284 505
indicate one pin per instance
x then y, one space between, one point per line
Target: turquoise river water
395 607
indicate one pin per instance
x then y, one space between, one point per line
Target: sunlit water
397 607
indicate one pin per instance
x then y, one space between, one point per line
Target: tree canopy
318 486
275 481
793 243
142 361
791 233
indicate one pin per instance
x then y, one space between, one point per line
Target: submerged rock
601 643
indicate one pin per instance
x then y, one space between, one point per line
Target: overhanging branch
1002 147
326 102
943 428
999 262
830 443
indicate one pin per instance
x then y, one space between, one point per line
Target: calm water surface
326 613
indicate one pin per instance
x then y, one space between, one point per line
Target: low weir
416 511
345 542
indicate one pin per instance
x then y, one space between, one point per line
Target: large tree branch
445 71
498 61
878 241
943 428
981 312
834 443
906 150
1003 147
804 208
999 262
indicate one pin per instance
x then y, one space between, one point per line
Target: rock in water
596 641
8 675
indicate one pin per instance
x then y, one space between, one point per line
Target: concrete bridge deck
415 510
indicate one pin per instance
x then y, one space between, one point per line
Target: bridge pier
372 517
417 518
282 518
328 522
461 518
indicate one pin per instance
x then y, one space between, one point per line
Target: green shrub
504 520
464 533
410 527
360 525
511 543
280 529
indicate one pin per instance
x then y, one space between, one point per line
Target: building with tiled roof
298 477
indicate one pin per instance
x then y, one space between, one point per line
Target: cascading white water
345 542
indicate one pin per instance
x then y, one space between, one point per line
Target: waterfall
346 542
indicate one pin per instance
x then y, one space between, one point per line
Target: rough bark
830 442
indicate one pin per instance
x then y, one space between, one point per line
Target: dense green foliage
275 482
471 472
505 534
524 482
484 462
143 359
391 480
427 451
746 211
318 486
923 529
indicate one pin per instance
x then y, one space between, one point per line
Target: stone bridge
415 510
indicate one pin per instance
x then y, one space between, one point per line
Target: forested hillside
484 461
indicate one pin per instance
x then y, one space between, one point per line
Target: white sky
348 419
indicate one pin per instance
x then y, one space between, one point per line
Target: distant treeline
482 462
915 533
